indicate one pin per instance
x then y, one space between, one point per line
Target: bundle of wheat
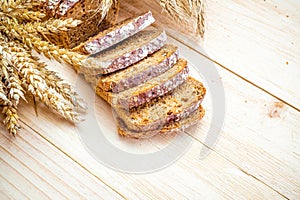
22 75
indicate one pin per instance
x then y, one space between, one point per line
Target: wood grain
256 45
248 164
257 40
258 129
31 168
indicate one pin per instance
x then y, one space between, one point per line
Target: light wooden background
255 45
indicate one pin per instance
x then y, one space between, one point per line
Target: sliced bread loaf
125 53
174 106
150 67
171 128
151 89
115 34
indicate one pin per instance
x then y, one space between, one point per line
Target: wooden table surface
255 46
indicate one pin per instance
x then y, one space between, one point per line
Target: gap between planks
269 85
234 73
197 140
187 133
238 167
70 157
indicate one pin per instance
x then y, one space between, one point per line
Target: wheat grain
52 26
3 97
21 10
11 120
11 80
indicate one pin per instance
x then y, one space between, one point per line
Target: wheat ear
22 33
34 83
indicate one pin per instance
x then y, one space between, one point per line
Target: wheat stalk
184 10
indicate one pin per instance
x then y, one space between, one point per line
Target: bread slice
174 106
148 68
115 34
151 89
125 53
171 128
92 23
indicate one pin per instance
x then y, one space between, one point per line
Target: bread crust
97 64
141 72
174 127
89 26
148 91
115 34
174 106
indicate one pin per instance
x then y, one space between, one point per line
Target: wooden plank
257 40
29 163
9 191
260 134
241 179
188 178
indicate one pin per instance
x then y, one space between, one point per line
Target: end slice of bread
171 128
85 10
174 106
115 34
125 53
148 68
151 89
